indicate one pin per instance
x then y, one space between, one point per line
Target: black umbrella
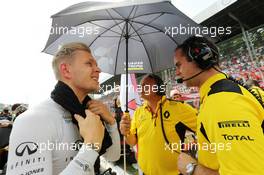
125 37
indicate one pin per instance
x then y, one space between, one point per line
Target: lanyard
155 115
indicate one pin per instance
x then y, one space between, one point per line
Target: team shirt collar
206 86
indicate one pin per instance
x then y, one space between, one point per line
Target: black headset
159 82
206 55
202 51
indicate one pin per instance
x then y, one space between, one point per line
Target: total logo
237 137
26 148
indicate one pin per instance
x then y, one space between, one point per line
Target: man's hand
99 108
125 124
183 160
91 128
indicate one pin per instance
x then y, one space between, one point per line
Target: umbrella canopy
137 33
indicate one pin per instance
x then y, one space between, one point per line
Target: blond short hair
66 53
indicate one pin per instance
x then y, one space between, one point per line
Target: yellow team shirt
154 155
230 123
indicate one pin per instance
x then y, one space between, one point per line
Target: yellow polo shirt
154 155
230 123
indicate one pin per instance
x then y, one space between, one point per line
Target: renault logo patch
166 114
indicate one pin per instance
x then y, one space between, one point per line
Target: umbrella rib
99 20
108 29
148 23
113 19
123 16
131 11
133 17
145 33
136 40
132 39
158 30
109 36
103 33
168 13
118 48
118 13
144 47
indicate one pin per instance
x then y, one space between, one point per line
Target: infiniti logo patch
26 148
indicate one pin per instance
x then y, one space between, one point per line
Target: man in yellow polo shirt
230 120
157 127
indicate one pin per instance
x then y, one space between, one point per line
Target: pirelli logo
234 124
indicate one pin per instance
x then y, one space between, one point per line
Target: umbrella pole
124 144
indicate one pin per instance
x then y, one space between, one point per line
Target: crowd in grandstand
242 67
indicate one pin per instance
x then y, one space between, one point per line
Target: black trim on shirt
262 126
224 85
181 130
204 132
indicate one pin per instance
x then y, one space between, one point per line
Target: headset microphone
181 80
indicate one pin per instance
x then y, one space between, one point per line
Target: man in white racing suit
68 132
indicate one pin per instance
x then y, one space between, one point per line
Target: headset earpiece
203 55
199 50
